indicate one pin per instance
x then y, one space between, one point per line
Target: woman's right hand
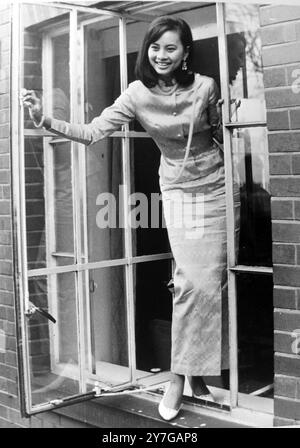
33 103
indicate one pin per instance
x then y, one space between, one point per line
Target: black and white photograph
149 217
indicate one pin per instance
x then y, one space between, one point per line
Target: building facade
85 310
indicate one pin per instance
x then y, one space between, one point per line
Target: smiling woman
166 54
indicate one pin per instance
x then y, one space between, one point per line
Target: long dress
194 209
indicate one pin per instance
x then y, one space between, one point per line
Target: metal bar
70 6
230 218
97 265
120 134
17 145
252 269
147 258
77 200
246 124
128 227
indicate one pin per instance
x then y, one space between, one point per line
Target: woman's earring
184 66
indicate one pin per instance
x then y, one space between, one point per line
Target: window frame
81 268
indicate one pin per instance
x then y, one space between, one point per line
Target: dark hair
143 69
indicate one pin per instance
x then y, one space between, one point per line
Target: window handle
35 309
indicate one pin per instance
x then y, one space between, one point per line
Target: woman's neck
166 82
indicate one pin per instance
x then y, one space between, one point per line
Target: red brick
271 15
282 97
5 223
5 252
284 297
4 101
285 386
6 267
4 146
285 186
284 253
274 77
295 118
293 75
280 164
5 237
287 408
5 208
278 120
286 320
295 163
286 275
6 191
6 298
4 177
4 161
285 342
297 209
282 208
11 358
281 54
284 141
6 283
276 34
287 364
286 232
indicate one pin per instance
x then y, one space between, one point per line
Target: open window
90 257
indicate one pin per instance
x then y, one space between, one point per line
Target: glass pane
104 158
245 62
63 197
53 86
255 333
55 214
35 202
102 66
252 196
153 315
53 346
104 196
106 319
149 233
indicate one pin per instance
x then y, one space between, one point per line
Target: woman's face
166 54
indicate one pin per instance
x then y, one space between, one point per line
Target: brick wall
280 27
9 392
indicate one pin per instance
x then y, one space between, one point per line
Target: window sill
128 411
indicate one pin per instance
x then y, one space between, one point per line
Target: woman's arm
110 120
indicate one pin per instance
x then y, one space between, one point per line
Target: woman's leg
174 396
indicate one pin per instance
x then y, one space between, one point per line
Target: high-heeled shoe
206 397
165 412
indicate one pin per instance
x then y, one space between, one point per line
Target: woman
166 97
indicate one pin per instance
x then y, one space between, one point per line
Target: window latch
35 309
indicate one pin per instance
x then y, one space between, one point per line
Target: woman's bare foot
175 391
198 385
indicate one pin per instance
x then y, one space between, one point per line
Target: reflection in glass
255 333
63 197
108 324
153 315
53 346
245 63
104 158
35 202
34 20
251 177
